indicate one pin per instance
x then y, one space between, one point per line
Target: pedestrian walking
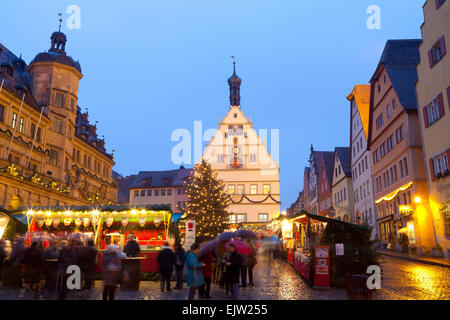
33 263
244 272
205 289
68 255
132 248
194 276
251 263
12 273
51 267
111 271
180 258
233 265
87 263
166 262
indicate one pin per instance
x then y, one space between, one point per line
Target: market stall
324 250
149 224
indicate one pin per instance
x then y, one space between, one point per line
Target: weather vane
60 21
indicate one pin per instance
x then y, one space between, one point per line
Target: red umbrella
241 247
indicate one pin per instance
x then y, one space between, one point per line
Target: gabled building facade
243 162
342 186
433 94
325 195
401 194
360 160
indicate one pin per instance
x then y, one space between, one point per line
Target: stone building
433 94
243 162
55 157
342 187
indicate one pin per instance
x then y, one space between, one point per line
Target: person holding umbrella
233 265
207 260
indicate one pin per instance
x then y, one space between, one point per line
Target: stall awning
301 215
177 216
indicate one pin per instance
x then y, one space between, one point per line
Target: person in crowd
68 255
233 266
87 263
194 276
3 255
205 289
132 248
166 262
180 257
251 263
51 268
244 272
221 253
111 271
33 261
12 275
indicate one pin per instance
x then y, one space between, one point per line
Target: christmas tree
207 203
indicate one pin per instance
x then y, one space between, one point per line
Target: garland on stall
252 201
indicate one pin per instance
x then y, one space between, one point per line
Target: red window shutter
440 100
442 43
430 58
425 117
448 97
432 175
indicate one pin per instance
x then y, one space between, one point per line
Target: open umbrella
227 236
241 247
207 247
246 234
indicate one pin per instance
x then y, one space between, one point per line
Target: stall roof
325 219
106 208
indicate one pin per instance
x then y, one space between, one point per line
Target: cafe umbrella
241 247
207 247
227 236
246 234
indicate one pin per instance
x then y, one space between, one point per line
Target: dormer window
59 100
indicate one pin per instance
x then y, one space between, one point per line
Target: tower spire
235 87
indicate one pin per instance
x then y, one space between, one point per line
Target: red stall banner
322 267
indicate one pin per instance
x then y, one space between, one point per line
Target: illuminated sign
287 229
403 209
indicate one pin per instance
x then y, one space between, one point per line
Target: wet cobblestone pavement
277 280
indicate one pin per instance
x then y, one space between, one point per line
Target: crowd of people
23 266
223 266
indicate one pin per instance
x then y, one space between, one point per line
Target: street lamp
417 200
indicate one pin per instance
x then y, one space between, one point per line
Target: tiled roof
328 159
343 154
400 59
361 94
169 178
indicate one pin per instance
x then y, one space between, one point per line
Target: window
53 157
400 134
163 192
253 157
179 191
434 111
263 217
376 156
437 52
169 192
136 193
156 193
379 121
253 189
59 100
220 158
142 193
241 217
2 113
149 193
72 105
57 125
388 111
390 143
240 189
21 125
367 165
14 120
232 218
439 164
231 189
394 104
266 189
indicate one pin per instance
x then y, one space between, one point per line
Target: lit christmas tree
207 203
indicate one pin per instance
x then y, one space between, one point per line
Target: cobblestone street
278 281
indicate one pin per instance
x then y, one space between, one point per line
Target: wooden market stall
150 225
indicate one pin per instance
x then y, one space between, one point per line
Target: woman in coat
205 289
194 276
111 271
251 263
33 261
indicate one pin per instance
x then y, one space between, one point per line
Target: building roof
400 59
20 82
155 179
361 94
57 57
328 160
343 153
124 184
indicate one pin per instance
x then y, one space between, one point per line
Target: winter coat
88 257
51 253
232 271
207 269
132 248
111 267
17 252
165 259
180 256
33 260
251 259
194 276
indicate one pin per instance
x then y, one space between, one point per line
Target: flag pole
34 139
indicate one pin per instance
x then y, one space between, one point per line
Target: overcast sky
151 67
